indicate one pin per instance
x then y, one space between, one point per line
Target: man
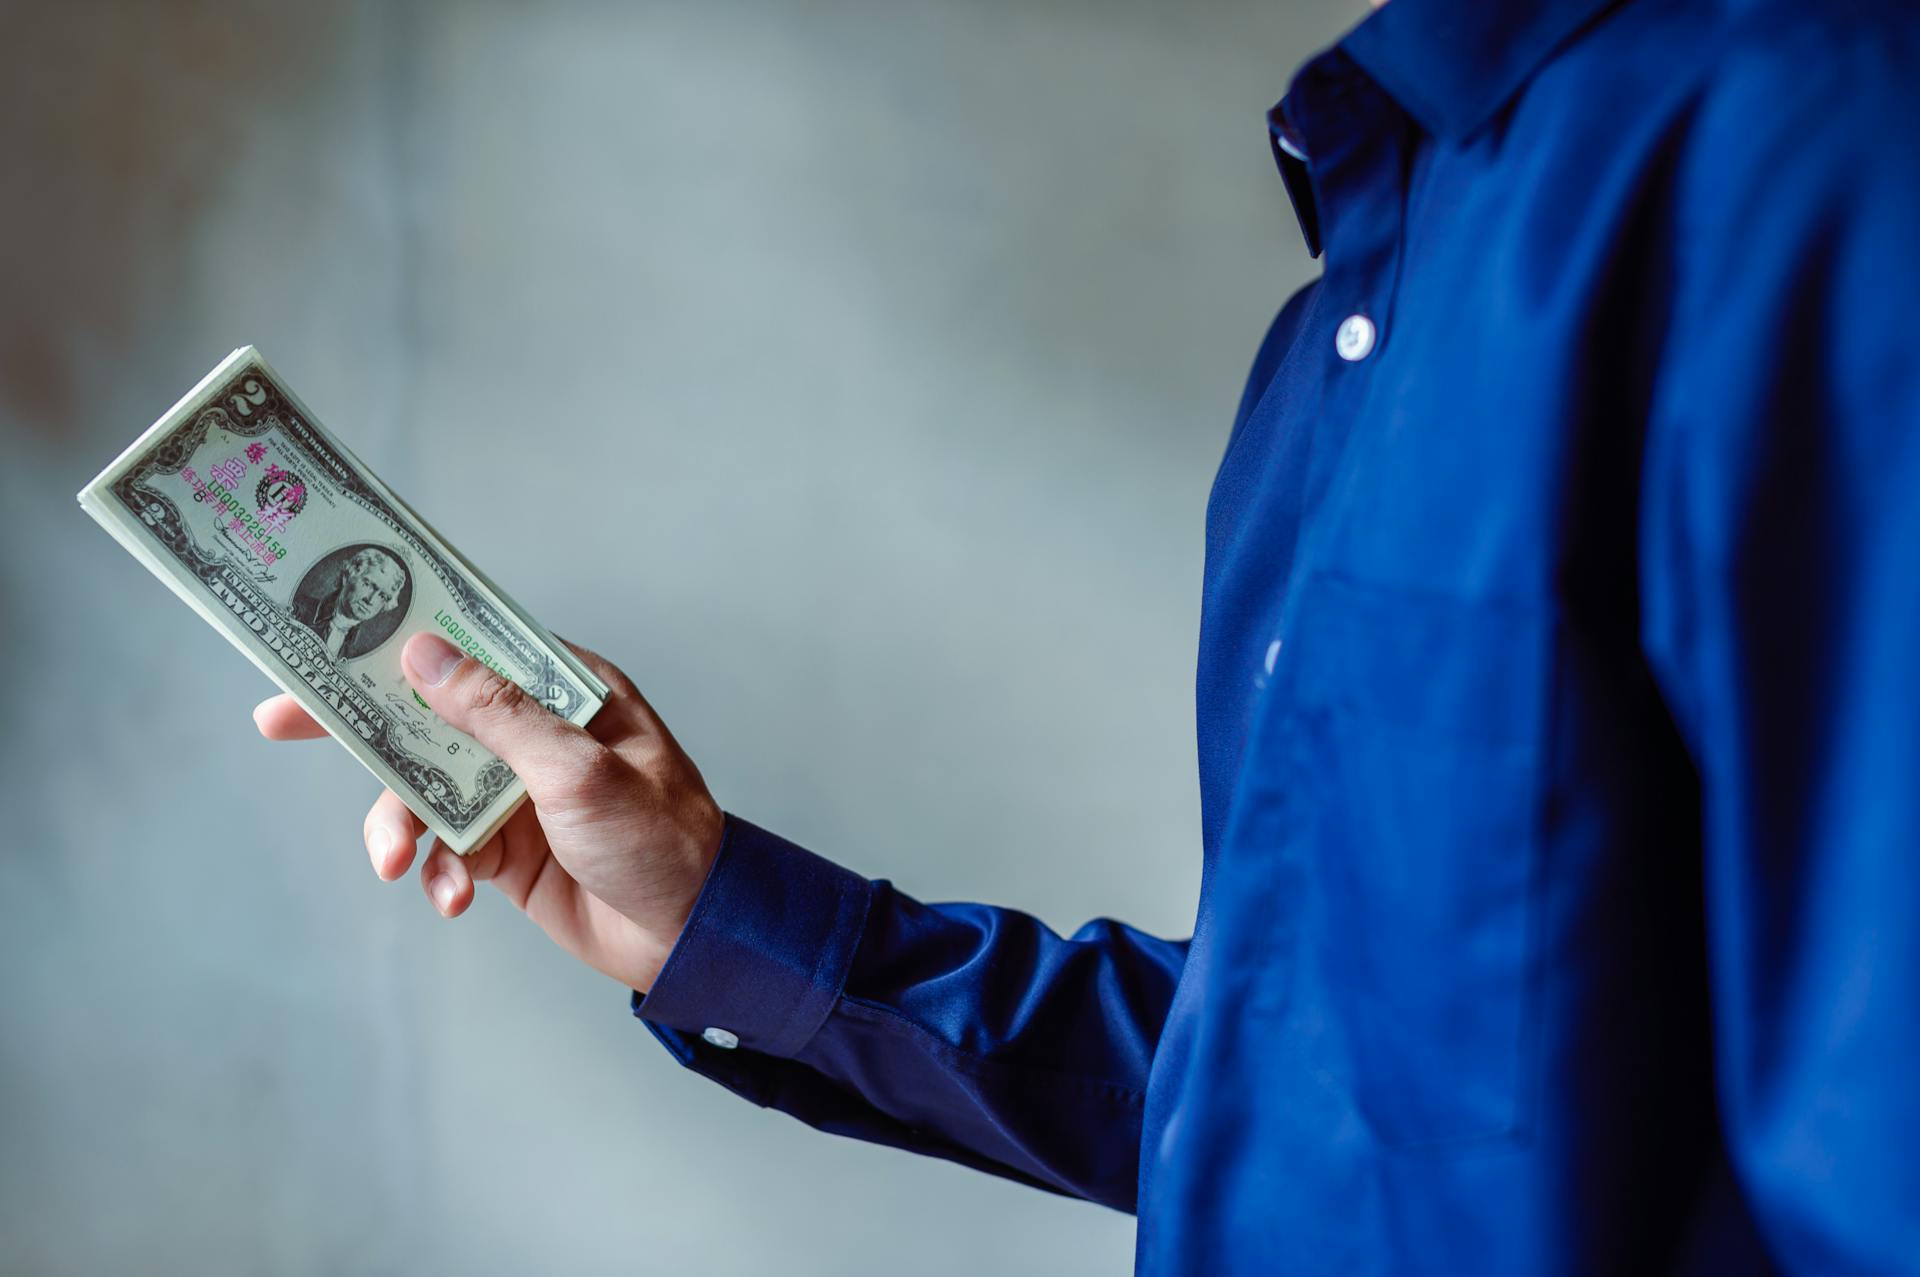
341 605
1559 715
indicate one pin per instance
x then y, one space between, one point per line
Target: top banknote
286 543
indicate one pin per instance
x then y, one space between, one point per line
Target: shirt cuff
767 948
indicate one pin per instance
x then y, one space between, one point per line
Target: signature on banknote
407 718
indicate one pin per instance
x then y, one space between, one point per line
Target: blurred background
852 372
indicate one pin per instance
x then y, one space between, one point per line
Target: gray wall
851 372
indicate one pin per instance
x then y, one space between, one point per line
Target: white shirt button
1355 338
720 1038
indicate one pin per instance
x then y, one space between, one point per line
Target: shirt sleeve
961 1031
1781 614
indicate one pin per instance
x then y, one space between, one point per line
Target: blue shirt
1558 707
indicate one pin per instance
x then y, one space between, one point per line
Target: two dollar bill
250 511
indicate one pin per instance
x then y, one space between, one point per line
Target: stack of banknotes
290 546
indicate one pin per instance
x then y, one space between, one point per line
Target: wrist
648 960
683 873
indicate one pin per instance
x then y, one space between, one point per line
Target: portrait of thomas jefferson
354 599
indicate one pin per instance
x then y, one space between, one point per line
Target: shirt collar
1451 64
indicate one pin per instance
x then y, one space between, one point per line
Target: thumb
494 710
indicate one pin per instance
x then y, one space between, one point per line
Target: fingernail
433 658
442 892
380 842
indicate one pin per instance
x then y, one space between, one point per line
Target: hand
619 831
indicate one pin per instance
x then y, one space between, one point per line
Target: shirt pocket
1418 735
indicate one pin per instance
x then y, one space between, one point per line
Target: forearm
962 1031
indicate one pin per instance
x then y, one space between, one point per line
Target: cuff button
720 1038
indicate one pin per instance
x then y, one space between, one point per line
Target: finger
609 673
448 884
626 716
392 833
281 718
495 711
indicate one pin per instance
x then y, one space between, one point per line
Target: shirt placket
1343 148
1344 144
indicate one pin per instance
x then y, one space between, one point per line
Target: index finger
281 718
627 715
